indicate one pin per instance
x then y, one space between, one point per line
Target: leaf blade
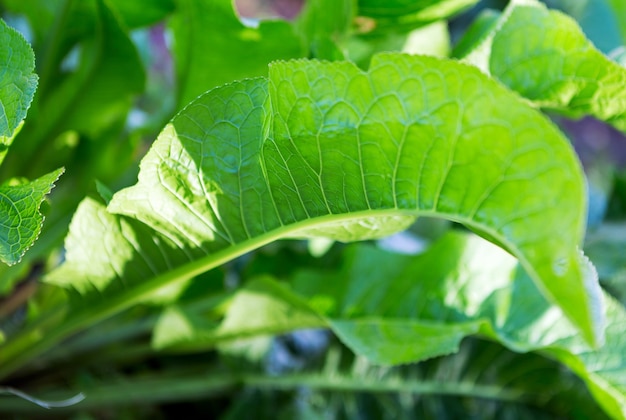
553 65
216 185
370 127
21 219
18 81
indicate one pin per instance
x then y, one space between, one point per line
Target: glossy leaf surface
322 149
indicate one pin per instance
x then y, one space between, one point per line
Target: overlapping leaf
95 96
398 309
89 97
544 55
212 46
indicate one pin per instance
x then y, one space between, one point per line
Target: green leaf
138 13
381 16
399 309
478 31
18 82
389 341
325 149
212 47
123 241
89 98
402 148
95 95
19 212
603 21
425 9
326 25
553 64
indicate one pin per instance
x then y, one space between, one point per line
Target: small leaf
396 341
19 212
17 81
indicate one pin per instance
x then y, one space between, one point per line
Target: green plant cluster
185 142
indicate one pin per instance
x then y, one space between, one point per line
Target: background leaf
381 8
397 309
554 65
213 47
603 21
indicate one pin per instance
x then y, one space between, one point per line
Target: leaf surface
212 46
553 64
396 309
17 82
325 149
326 24
21 219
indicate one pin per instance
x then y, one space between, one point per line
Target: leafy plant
180 263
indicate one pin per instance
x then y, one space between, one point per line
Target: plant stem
194 386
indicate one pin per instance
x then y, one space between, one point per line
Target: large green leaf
17 82
325 149
397 309
402 145
553 64
329 150
212 47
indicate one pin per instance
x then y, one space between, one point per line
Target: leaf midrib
17 353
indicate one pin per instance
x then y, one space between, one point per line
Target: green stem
187 387
51 57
